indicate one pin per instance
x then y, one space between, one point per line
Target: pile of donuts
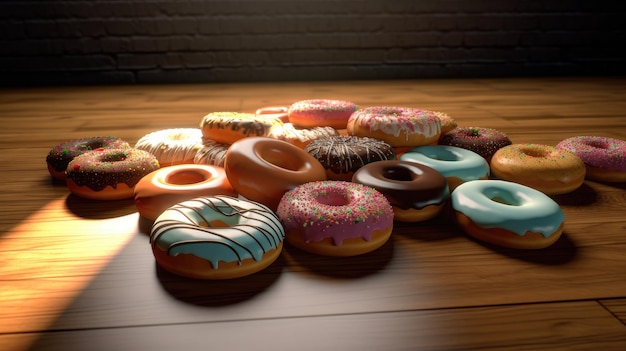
330 178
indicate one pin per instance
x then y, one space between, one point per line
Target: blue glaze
524 209
450 161
253 229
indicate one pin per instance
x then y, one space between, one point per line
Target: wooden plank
555 326
617 307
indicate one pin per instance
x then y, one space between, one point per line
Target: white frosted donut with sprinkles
398 126
321 113
172 146
604 158
336 218
216 237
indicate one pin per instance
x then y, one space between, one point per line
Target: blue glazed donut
458 165
507 214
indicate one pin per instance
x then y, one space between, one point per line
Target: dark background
137 42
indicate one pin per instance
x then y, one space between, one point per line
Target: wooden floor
79 275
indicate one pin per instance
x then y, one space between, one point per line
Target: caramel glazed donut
216 237
341 156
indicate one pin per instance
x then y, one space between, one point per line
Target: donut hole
503 197
184 177
398 173
444 155
333 198
473 133
597 144
89 145
216 223
281 159
534 152
114 157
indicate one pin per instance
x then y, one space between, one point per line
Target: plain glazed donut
416 192
274 112
300 137
541 167
211 153
263 169
342 155
335 218
507 214
168 186
109 174
172 146
321 113
458 165
604 158
60 156
398 126
483 141
228 127
216 237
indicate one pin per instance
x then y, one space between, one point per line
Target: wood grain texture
73 269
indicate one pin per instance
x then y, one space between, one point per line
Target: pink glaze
335 209
601 152
321 112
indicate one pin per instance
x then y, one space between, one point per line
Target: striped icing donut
398 126
458 165
228 127
172 146
507 214
216 237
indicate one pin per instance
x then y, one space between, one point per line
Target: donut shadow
144 225
99 209
351 267
583 196
441 227
216 293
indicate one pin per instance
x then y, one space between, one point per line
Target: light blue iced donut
458 165
511 206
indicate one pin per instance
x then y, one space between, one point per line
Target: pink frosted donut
604 158
336 218
483 141
398 126
321 113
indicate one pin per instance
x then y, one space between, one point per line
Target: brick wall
127 42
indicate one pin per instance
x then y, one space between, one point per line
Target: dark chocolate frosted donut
342 155
109 174
415 191
60 156
483 141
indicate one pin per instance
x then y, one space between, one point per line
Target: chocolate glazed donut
416 192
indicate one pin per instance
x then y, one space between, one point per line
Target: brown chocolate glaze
61 155
101 168
345 154
405 184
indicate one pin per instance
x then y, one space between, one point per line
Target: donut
483 141
342 155
228 127
173 184
60 156
216 237
172 146
300 137
507 214
321 113
279 112
542 167
416 192
211 153
263 169
456 164
604 158
398 126
335 218
109 174
447 123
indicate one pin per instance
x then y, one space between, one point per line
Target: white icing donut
172 146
